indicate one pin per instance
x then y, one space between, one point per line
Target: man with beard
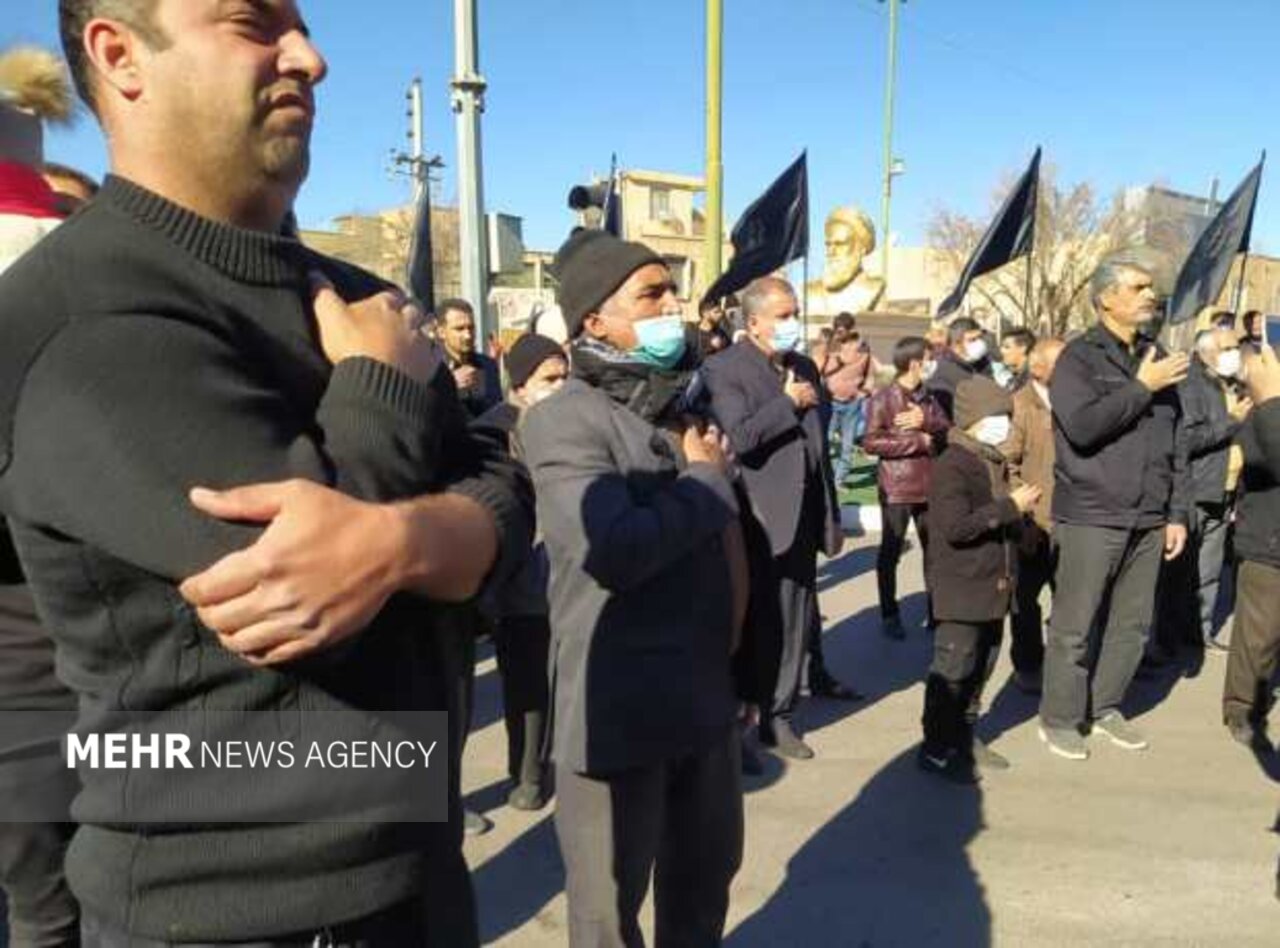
199 345
635 505
476 375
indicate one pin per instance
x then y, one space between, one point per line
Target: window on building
659 204
680 273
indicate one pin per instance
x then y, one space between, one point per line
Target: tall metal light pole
715 169
468 102
889 169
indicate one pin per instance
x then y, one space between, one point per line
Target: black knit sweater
147 350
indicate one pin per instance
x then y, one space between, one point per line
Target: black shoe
892 628
949 765
823 685
778 735
988 759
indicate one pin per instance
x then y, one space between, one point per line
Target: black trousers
893 532
679 821
42 913
1255 645
522 644
1106 587
964 654
400 925
1037 562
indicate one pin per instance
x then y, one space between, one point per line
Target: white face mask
975 351
1229 363
993 430
928 369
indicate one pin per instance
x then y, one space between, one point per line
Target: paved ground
1171 847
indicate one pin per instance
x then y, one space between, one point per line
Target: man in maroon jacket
903 423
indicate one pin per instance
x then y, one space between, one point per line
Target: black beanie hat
978 398
529 352
590 266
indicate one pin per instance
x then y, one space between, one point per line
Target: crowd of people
239 475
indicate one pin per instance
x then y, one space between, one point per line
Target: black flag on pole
612 217
420 275
1209 263
771 233
1010 235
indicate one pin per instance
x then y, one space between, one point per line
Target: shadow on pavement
517 883
889 870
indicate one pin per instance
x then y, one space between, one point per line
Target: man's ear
114 49
593 325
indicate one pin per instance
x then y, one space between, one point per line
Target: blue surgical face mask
660 341
786 335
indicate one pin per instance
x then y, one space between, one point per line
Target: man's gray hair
1205 340
1109 272
759 290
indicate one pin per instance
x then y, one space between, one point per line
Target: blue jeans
847 424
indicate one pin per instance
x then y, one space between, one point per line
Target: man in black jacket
1120 502
198 345
1213 407
967 354
766 396
475 374
1255 640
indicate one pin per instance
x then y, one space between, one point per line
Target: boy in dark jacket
970 566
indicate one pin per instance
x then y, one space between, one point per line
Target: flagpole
1028 301
1244 261
804 296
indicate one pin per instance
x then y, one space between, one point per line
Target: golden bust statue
845 287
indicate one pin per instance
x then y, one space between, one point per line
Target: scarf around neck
652 393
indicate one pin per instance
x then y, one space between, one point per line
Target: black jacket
778 449
1258 516
1210 429
971 558
951 371
1120 451
182 353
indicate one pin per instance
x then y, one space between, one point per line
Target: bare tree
1074 230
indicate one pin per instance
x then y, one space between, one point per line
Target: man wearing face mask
1213 409
767 398
536 369
967 354
639 518
971 566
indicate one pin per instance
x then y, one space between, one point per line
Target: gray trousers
1106 581
680 821
1211 530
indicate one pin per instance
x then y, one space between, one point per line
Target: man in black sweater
1255 640
1120 501
197 346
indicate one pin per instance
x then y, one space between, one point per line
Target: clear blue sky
1170 91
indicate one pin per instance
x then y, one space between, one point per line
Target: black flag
1207 266
419 275
771 233
1010 235
612 217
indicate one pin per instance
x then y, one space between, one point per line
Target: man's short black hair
74 16
959 326
907 350
454 304
844 321
1025 339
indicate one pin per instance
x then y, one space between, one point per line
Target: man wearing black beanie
639 518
